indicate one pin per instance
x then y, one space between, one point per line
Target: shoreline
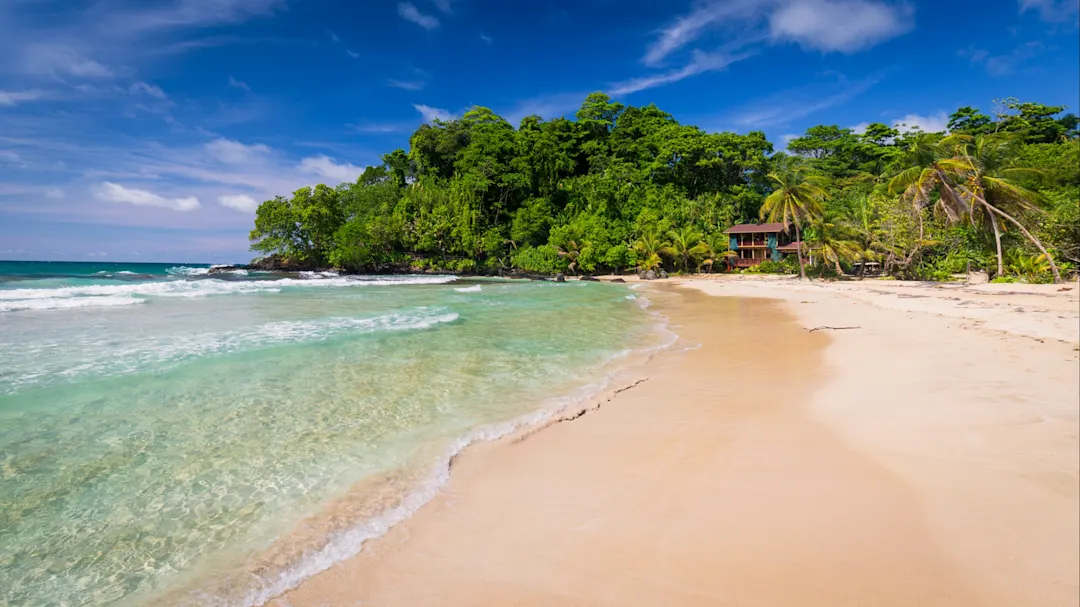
511 478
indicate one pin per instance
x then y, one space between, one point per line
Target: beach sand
927 457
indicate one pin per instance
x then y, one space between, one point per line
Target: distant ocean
171 436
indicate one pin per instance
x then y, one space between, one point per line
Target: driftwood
831 328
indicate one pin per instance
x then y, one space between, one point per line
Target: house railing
739 262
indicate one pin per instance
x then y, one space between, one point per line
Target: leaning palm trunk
1049 258
997 243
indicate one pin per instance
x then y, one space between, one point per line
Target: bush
540 260
785 266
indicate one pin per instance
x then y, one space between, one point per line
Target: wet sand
907 462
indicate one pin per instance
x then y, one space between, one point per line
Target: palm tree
866 235
716 247
685 245
972 176
986 167
649 247
797 199
833 242
571 251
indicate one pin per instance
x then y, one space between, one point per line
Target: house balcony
739 262
753 243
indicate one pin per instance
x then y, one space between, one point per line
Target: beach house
753 243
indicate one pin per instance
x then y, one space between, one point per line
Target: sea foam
133 293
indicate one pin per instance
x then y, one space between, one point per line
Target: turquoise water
181 438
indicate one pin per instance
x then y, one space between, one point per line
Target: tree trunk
997 243
798 249
1030 236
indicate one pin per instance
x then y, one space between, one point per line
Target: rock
663 274
978 278
650 275
617 280
560 277
222 268
589 279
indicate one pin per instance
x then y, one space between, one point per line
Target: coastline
875 471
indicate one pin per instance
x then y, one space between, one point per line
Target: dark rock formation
560 278
650 275
618 280
663 274
589 279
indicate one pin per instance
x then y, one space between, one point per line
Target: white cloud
1052 10
408 85
431 114
11 158
240 84
239 202
934 123
54 193
10 98
114 192
149 89
445 6
860 128
325 166
839 25
786 139
353 54
234 152
701 63
825 25
409 12
486 39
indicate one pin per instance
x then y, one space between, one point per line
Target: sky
143 130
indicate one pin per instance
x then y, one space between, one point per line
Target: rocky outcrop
589 279
619 280
560 277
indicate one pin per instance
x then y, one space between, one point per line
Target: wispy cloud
10 98
408 85
444 6
149 89
792 104
352 53
234 152
824 25
485 38
114 192
431 114
409 12
239 84
379 127
1008 63
1054 11
702 62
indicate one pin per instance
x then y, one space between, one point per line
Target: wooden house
753 243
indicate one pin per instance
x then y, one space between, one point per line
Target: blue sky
149 130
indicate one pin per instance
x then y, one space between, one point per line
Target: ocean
173 436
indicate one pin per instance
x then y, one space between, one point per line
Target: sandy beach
926 455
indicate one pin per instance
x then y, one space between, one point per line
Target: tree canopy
622 187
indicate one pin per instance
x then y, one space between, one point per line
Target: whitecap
55 304
472 289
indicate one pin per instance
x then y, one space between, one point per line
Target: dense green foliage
629 188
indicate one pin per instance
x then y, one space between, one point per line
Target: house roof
792 248
749 228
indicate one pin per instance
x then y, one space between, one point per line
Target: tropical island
623 188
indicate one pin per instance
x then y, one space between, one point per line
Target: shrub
540 260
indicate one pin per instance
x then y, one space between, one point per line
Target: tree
684 245
796 198
649 247
988 179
